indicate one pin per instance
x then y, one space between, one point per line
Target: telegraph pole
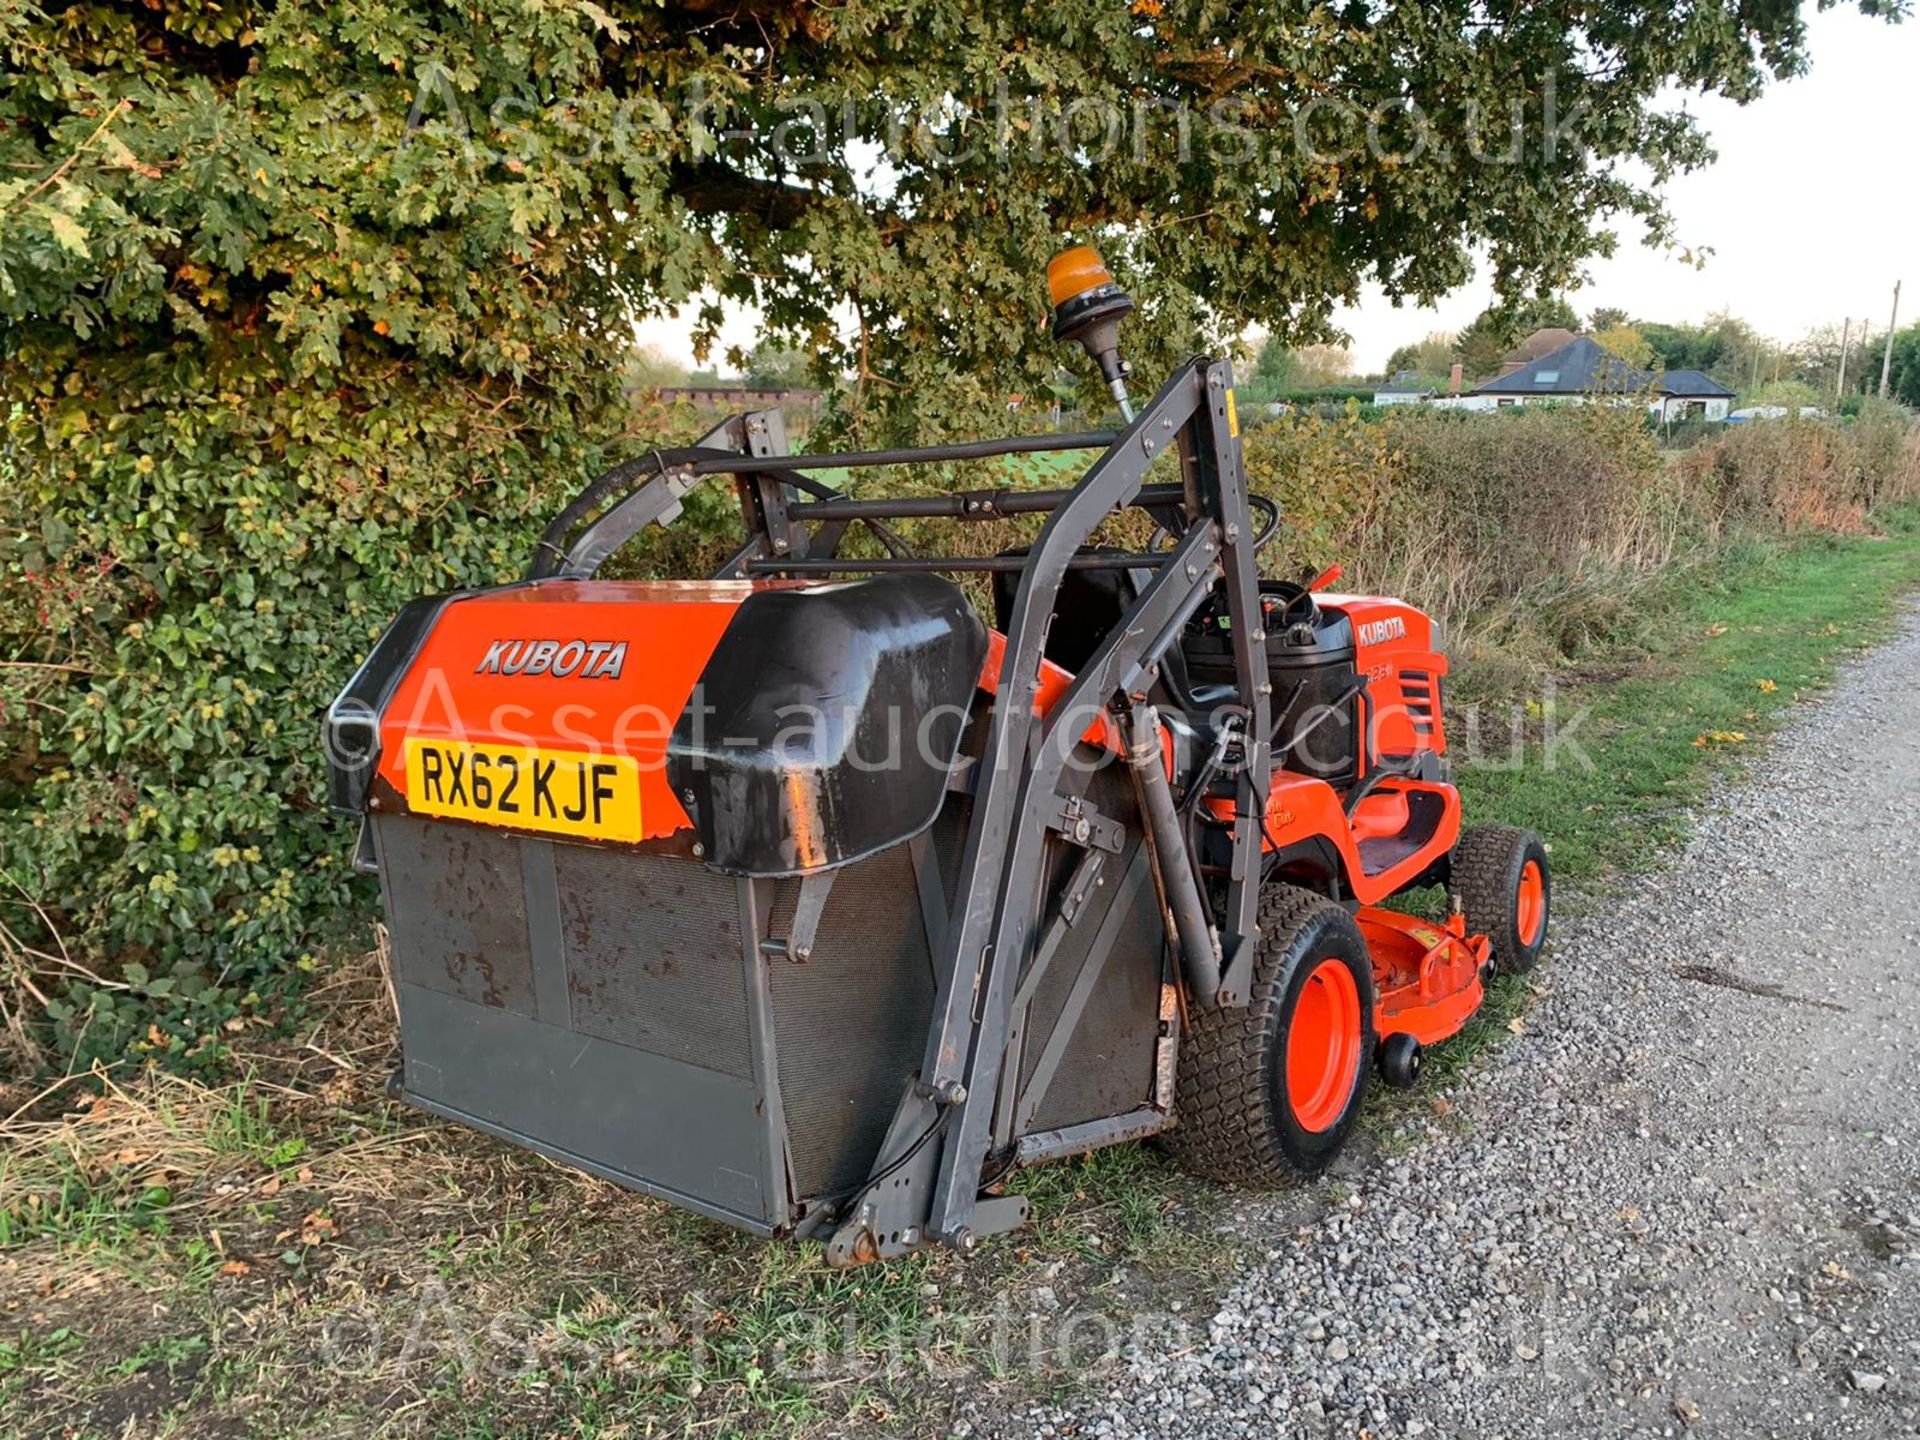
1886 359
1840 374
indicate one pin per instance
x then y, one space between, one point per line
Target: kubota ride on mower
818 904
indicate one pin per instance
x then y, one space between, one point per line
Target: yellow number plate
564 792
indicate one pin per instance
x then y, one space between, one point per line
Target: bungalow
1581 371
1690 395
1578 370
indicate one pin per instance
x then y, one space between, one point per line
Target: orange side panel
1300 807
1394 649
1054 683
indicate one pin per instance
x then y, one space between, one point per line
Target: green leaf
287 1151
69 232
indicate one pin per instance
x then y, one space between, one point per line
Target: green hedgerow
258 394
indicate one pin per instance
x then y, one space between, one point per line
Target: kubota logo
1375 631
589 659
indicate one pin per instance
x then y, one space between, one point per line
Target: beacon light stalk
1088 307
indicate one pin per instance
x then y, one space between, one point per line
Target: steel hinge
1077 820
366 860
807 910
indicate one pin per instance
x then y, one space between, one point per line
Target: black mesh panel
851 1024
456 911
1108 1066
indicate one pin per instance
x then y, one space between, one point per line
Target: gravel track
1680 1202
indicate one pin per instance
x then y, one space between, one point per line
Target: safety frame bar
944 1126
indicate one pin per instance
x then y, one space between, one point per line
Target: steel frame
964 1105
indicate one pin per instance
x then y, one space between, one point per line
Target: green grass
1731 649
1722 653
168 1353
245 1129
80 1210
55 1195
27 1350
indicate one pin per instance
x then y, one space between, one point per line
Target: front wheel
1400 1059
1269 1091
1501 880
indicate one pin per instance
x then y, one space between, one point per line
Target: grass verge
1720 655
291 1255
1608 761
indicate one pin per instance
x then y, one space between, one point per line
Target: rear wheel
1501 879
1270 1090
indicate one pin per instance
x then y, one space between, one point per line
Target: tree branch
712 187
59 171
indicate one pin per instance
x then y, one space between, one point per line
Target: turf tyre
1505 888
1238 1122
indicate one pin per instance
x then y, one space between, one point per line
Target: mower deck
1426 977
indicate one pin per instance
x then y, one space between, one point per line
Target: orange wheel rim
1531 916
1323 1046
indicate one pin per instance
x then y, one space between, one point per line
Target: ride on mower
805 898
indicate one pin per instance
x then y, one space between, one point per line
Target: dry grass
1805 477
26 973
1536 536
291 1253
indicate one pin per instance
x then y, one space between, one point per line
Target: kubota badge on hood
1378 632
588 659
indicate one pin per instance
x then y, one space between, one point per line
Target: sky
1811 212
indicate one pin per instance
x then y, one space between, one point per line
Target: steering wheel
1162 538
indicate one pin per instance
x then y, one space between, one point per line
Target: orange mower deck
1426 977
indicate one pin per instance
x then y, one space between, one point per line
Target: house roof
1693 384
1405 382
1540 342
1580 367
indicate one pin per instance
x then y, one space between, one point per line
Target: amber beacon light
1088 307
